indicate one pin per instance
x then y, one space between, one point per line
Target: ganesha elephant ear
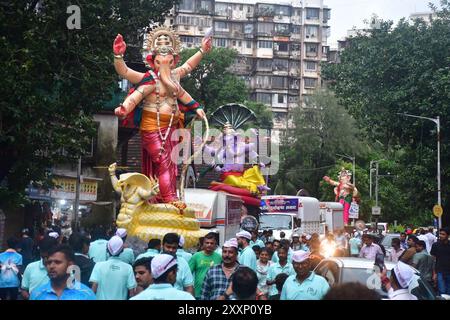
149 61
136 179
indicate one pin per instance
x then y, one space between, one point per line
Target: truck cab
288 214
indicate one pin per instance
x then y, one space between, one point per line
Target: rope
188 162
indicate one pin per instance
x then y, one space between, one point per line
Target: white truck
217 211
331 216
288 214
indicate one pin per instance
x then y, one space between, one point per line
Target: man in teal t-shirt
97 248
127 254
153 249
202 261
113 279
247 257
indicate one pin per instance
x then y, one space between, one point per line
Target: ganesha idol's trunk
165 73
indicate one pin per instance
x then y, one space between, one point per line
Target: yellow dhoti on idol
250 180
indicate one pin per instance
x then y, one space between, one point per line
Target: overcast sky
348 13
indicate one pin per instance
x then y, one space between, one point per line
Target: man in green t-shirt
203 260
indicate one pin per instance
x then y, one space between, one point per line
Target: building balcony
264 13
264 34
223 33
205 12
296 37
237 34
282 33
312 55
278 53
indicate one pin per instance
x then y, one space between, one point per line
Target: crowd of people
97 266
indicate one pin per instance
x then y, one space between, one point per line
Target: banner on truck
279 205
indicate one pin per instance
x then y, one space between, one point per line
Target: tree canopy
392 70
55 78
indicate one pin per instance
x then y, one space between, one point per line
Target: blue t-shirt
10 261
312 288
78 292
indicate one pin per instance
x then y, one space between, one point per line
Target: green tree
402 69
211 83
322 129
55 78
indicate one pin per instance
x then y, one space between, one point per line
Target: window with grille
264 98
265 28
265 64
280 64
311 31
311 50
282 10
310 83
187 5
265 44
280 98
205 5
221 26
279 82
282 46
312 13
311 65
221 9
219 42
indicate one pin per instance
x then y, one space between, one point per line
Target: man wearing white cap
113 279
181 253
296 244
164 272
184 280
305 285
218 278
127 254
399 281
247 257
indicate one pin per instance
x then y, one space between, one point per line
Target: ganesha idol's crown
162 40
344 173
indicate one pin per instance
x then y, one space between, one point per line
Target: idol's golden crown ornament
163 40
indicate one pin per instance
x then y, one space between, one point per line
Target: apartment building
280 44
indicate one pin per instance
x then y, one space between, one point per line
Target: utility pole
437 121
376 193
77 197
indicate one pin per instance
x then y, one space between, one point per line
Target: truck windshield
275 221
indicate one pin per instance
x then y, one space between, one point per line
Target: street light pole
437 121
